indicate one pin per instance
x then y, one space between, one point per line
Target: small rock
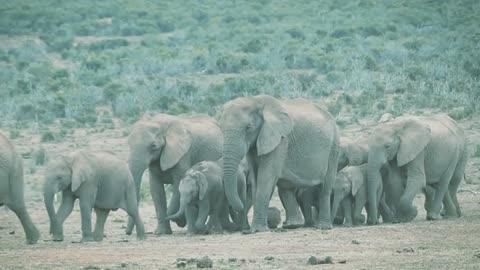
327 260
406 250
181 264
477 255
205 262
342 261
12 232
232 259
279 230
269 258
355 242
243 260
2 228
312 260
91 267
123 265
252 260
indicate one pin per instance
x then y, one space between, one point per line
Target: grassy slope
64 58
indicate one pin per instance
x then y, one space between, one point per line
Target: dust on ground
421 244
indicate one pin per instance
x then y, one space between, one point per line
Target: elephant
349 190
168 146
100 180
420 151
289 143
202 196
12 187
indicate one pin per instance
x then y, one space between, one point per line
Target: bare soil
421 244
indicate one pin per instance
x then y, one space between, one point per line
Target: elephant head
192 187
65 172
259 123
400 140
349 181
353 153
164 139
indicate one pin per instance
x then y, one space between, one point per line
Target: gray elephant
99 180
11 187
291 143
168 146
424 151
350 190
202 196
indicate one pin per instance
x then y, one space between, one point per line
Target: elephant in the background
11 187
100 180
350 190
202 196
168 146
291 143
424 151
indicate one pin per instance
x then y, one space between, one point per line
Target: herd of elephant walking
219 170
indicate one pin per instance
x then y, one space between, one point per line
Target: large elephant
11 187
424 151
168 146
100 180
202 196
291 143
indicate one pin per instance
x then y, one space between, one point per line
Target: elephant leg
440 192
203 212
455 183
449 210
86 213
102 215
293 218
63 212
174 205
358 206
347 210
387 214
157 191
134 213
416 182
429 195
339 217
191 214
324 202
31 232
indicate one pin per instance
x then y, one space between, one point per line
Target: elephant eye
154 146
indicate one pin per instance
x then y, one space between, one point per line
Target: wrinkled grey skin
420 151
350 191
288 143
168 146
352 153
11 187
202 196
100 180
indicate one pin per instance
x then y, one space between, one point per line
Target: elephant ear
276 125
202 185
82 170
357 179
414 137
177 144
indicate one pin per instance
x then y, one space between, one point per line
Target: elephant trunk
337 198
180 212
233 152
137 167
373 183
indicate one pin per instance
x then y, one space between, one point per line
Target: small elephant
99 180
202 196
11 187
349 190
274 217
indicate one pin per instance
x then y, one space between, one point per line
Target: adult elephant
425 151
291 143
11 187
168 146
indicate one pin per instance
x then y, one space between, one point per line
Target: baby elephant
99 180
202 195
349 190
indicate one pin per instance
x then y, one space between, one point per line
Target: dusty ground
449 244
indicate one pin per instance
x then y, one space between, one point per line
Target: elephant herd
219 170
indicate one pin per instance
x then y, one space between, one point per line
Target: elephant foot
161 230
359 219
348 224
292 224
57 238
141 237
181 223
87 239
309 224
33 237
372 221
431 216
338 220
324 226
256 227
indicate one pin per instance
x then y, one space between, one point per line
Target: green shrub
14 134
47 136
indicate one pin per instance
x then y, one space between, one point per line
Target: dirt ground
448 244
